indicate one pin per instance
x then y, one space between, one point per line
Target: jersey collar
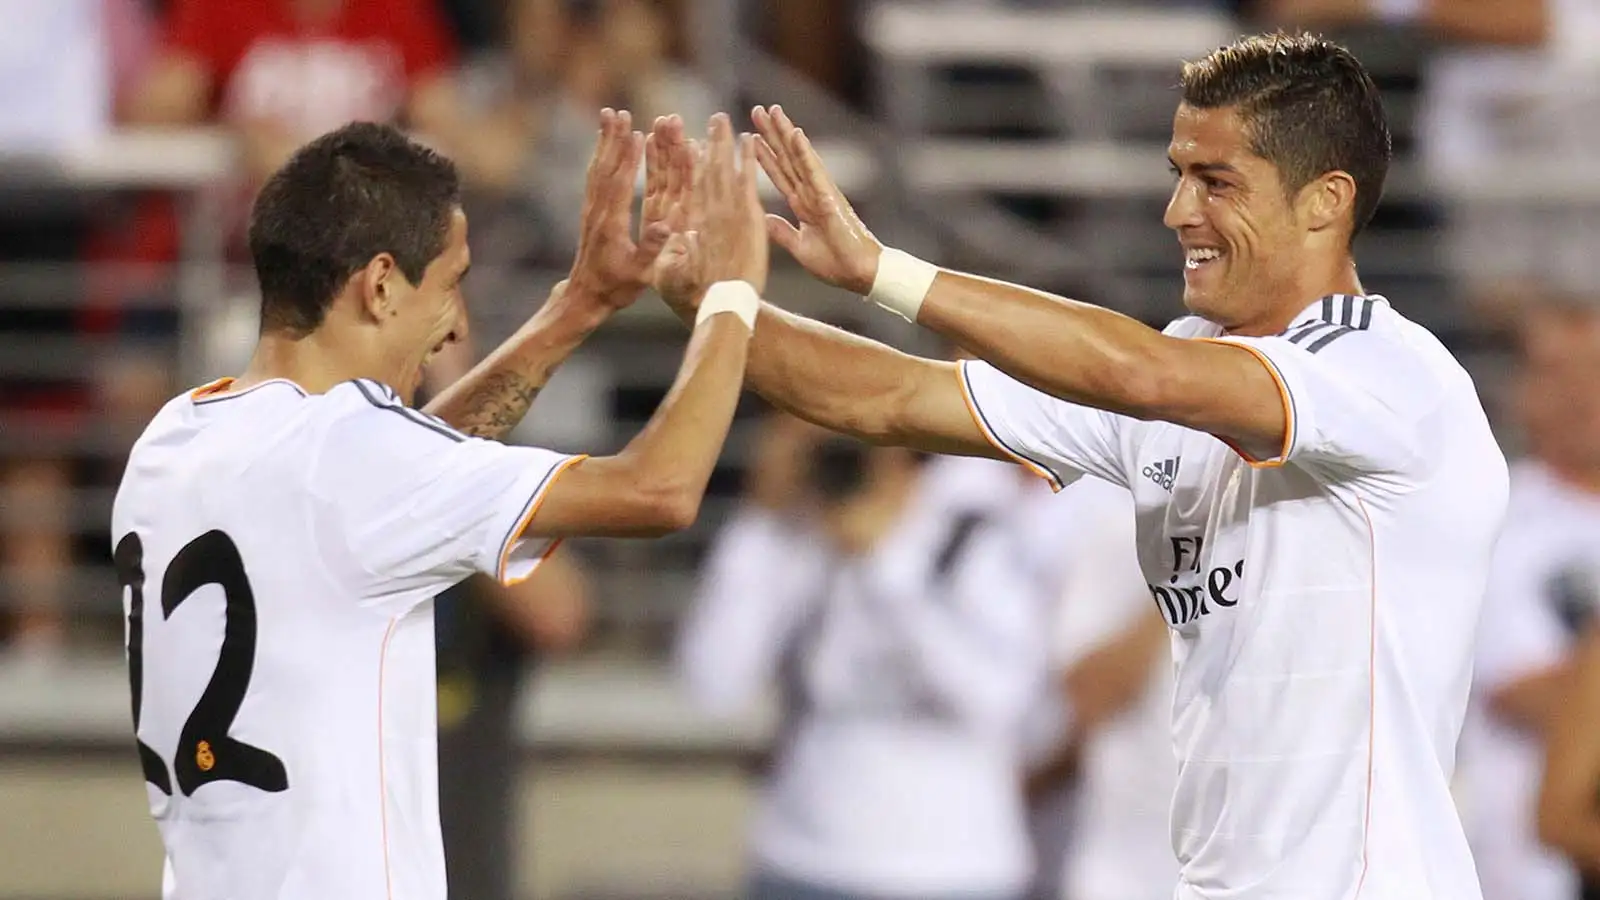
1350 310
222 389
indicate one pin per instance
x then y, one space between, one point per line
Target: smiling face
425 317
1242 236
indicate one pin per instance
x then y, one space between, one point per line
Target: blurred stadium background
1023 139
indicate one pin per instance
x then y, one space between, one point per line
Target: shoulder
1191 327
368 412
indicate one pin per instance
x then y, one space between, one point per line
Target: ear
1328 202
376 283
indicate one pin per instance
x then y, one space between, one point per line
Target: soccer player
1316 484
289 528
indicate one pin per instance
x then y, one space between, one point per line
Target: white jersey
1542 593
1127 771
906 674
1325 602
279 554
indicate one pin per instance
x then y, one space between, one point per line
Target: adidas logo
1163 473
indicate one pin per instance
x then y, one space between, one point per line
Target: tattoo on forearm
493 408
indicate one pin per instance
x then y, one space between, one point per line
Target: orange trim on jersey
527 518
214 387
1372 687
383 779
1288 410
977 419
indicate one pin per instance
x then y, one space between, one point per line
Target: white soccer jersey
279 553
1324 602
1542 593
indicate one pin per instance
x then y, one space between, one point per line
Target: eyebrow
1206 167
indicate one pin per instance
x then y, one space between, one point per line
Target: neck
316 362
1313 285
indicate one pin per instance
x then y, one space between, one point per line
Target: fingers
721 177
782 233
655 175
775 129
651 242
775 171
748 167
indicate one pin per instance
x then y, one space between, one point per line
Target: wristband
901 283
737 297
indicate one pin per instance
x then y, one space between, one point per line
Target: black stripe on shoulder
1364 319
1327 308
372 392
1310 330
1328 338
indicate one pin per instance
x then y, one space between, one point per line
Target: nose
1183 210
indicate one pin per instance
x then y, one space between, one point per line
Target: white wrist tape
902 283
737 297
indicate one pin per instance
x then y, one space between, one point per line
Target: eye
1214 184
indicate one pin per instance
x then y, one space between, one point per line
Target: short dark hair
1310 108
338 202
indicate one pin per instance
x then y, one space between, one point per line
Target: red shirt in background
264 64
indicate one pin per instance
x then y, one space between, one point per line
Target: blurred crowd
943 638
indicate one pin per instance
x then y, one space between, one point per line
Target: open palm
831 242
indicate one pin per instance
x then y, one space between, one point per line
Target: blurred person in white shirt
1539 602
883 598
1116 686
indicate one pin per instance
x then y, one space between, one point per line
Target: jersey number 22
206 752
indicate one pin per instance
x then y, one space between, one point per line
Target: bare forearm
1082 353
827 376
493 397
679 446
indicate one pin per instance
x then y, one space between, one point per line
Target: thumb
651 242
783 234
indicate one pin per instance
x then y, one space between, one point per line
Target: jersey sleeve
414 506
1362 405
1055 439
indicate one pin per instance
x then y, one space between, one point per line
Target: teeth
1203 255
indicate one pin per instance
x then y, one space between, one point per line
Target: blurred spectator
882 595
1513 88
536 104
1541 597
63 70
1117 685
488 637
281 72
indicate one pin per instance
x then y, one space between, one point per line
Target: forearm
1081 353
493 397
678 448
829 377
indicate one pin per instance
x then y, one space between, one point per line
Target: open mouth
1196 258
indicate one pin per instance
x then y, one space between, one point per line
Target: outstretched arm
1075 351
1567 817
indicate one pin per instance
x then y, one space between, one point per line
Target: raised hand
611 266
724 238
830 242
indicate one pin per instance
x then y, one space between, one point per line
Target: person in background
882 596
1542 599
63 71
1116 688
487 637
280 72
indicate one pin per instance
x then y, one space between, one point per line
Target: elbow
669 508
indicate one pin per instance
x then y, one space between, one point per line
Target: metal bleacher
1024 143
